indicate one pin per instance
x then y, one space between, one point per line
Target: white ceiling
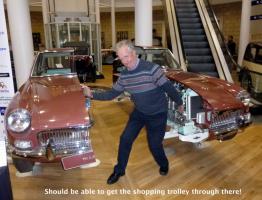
223 1
127 3
122 4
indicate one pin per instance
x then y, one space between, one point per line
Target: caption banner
144 192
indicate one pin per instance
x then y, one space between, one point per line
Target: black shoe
113 178
163 171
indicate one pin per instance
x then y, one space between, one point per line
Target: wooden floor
227 170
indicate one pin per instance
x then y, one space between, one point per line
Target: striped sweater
147 85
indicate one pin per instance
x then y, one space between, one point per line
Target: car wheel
23 165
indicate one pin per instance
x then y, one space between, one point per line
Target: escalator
196 47
195 38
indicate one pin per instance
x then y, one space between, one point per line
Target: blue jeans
155 126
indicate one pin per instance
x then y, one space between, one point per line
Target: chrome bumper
58 143
230 123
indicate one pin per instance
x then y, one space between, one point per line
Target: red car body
52 107
219 94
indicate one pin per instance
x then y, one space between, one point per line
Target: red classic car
214 108
42 123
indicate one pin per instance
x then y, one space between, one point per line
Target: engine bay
187 125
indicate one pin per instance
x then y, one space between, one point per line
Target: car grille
225 122
66 141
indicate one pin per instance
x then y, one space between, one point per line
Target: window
54 63
121 35
258 58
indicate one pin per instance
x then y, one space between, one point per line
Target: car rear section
214 109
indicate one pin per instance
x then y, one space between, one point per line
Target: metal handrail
218 55
220 34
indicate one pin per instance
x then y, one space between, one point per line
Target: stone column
143 22
244 30
21 38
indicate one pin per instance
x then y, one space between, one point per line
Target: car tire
23 165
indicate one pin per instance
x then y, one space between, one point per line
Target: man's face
127 57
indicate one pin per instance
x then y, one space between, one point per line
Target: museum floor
217 170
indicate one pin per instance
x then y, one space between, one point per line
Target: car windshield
162 57
258 57
253 53
54 63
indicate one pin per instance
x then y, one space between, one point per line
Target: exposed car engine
183 125
197 122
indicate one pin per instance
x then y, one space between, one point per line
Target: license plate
77 160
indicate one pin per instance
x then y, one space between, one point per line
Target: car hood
53 102
220 94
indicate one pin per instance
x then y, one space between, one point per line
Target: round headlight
18 120
244 96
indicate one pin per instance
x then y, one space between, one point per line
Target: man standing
231 45
147 85
157 41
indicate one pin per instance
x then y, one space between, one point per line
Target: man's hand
87 91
